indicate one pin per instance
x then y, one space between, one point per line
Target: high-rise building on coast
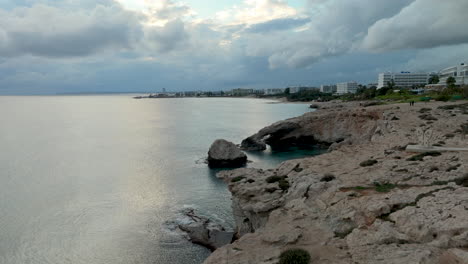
403 79
346 87
459 72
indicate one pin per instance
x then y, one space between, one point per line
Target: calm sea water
94 179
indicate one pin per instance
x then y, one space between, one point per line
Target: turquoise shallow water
94 179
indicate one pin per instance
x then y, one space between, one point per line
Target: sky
93 46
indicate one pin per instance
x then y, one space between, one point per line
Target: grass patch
419 157
385 187
368 163
294 256
360 188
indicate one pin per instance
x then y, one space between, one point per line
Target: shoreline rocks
225 154
205 232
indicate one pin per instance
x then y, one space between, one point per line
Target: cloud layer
250 44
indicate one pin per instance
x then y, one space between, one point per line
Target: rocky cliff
367 201
325 127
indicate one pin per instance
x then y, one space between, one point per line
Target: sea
104 179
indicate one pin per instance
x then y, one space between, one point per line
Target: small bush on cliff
368 163
294 256
384 187
275 178
283 184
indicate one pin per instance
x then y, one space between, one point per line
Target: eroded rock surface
396 210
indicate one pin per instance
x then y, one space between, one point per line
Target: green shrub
360 188
385 187
283 184
442 97
294 256
368 163
274 178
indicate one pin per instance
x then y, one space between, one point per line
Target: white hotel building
403 79
459 72
346 87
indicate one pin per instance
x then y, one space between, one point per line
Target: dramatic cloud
99 45
423 24
50 31
166 38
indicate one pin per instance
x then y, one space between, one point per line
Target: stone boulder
225 154
203 231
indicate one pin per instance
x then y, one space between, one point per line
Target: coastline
354 210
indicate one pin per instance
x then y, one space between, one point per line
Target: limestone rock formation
316 128
225 154
399 210
205 232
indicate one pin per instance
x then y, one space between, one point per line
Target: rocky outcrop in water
398 209
323 128
205 232
225 154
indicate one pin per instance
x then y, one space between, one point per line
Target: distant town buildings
328 88
274 91
459 72
346 87
242 92
298 89
403 79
